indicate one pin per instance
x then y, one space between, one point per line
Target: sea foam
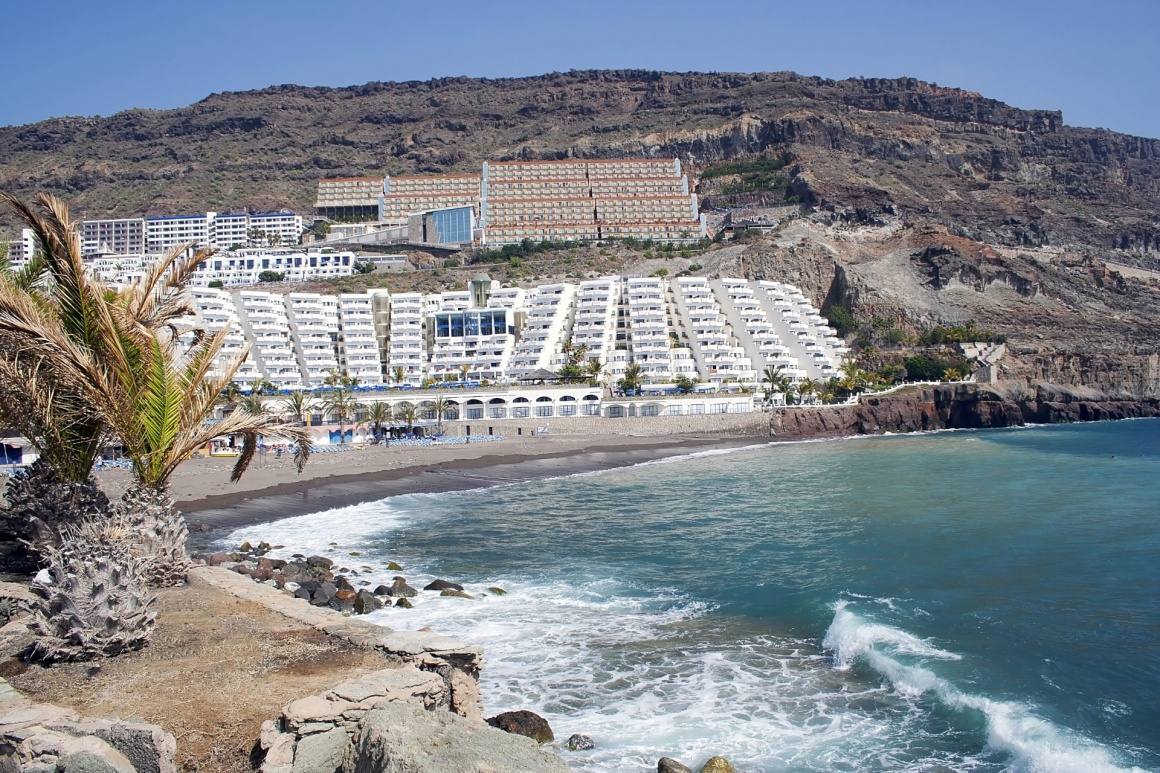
1034 744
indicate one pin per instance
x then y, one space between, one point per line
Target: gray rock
669 765
323 594
458 593
320 562
404 603
365 602
88 762
401 738
400 589
578 742
524 722
442 585
322 752
148 747
382 590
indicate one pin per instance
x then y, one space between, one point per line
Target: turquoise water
964 601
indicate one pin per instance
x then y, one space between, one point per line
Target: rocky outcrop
1004 168
398 738
956 406
456 664
43 737
389 721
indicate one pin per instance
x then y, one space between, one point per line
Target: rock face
955 406
42 737
999 162
391 720
523 722
399 738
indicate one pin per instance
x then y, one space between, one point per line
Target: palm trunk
159 535
92 602
41 504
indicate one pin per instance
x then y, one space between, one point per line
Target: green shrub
217 284
841 320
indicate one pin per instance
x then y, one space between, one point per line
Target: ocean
956 601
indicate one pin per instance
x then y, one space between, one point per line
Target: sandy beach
272 489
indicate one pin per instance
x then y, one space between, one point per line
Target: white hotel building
158 235
720 333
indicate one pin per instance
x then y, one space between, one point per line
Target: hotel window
720 408
474 413
543 411
674 410
696 409
650 410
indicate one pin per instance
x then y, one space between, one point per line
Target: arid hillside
918 203
985 169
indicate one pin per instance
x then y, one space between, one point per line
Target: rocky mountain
921 204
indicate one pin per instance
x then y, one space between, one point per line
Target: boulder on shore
717 765
400 589
442 585
669 765
524 722
399 736
365 602
578 742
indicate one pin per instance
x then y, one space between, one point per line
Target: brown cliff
956 406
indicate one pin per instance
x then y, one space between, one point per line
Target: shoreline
264 501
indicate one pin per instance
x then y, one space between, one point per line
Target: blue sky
1096 61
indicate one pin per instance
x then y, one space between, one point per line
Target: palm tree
379 414
632 379
336 379
261 386
407 412
231 395
777 379
254 405
807 387
121 360
298 406
463 371
441 407
399 374
48 320
593 368
341 403
825 391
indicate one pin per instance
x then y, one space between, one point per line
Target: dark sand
295 496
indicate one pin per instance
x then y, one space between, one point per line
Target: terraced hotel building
720 332
570 200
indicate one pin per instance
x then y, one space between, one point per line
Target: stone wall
454 663
41 737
